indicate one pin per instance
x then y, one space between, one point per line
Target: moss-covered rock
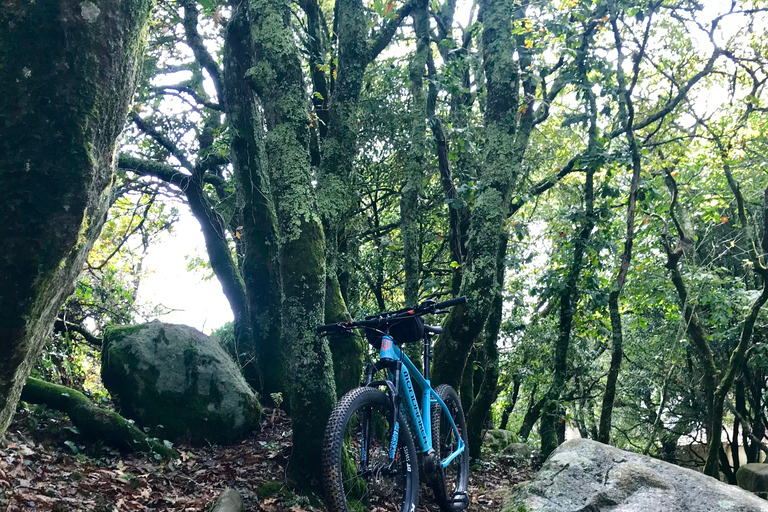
177 377
498 440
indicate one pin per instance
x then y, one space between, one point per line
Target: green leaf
72 446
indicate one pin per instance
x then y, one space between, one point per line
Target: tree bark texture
248 155
67 72
277 79
92 421
416 160
508 125
477 415
336 192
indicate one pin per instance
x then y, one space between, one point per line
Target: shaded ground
44 465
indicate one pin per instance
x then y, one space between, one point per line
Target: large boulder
177 377
586 476
754 478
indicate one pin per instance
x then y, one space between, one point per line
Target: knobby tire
451 484
342 449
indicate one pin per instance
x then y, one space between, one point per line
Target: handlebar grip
327 328
433 329
451 302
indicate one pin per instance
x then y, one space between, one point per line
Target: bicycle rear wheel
451 486
357 471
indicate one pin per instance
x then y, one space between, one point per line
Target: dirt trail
45 466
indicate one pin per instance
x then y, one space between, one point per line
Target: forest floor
45 466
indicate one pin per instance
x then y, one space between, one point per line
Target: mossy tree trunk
336 103
260 239
416 160
336 192
460 100
92 421
477 415
67 72
509 120
276 78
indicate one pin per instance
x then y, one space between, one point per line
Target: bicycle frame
408 374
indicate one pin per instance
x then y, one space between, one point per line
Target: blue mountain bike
370 461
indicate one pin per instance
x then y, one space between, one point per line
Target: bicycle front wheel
358 472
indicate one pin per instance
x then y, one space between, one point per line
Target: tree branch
191 92
195 42
62 327
382 39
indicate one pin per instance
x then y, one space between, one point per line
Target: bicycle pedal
461 499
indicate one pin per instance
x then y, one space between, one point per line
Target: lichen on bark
277 79
508 125
259 236
67 73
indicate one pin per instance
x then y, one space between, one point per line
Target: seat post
427 354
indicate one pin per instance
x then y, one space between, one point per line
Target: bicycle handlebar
451 302
424 308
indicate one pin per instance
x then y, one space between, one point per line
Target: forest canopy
591 175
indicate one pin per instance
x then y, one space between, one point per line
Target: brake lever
343 333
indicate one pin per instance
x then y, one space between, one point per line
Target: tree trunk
481 405
724 387
259 235
92 421
508 125
278 80
214 230
716 392
627 111
416 163
551 414
336 196
67 72
517 380
531 415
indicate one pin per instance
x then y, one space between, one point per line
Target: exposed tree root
93 421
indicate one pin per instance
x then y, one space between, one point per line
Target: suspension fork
388 362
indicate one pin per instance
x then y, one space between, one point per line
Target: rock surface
754 478
177 377
519 451
229 501
586 476
497 440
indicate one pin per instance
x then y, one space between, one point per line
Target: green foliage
568 53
